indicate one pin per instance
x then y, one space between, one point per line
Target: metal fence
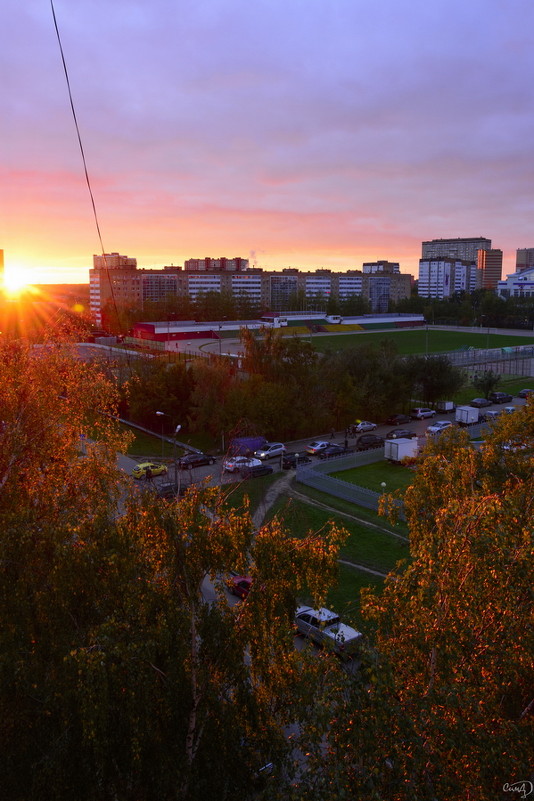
317 476
516 359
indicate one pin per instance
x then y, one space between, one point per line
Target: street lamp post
162 415
176 483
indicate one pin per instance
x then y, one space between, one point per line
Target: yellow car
155 469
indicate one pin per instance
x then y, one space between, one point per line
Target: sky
294 133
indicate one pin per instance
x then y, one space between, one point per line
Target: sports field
421 340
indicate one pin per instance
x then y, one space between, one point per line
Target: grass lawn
508 383
254 488
372 476
150 446
344 596
420 340
365 546
363 514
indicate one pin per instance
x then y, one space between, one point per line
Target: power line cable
86 171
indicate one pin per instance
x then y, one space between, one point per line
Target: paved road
217 477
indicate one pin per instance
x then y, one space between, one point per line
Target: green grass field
420 340
363 514
255 489
344 597
146 445
365 547
372 476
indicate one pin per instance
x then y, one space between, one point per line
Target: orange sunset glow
248 146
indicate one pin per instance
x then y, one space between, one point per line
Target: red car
239 585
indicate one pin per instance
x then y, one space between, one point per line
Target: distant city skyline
299 134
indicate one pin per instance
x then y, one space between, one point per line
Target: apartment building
116 278
383 282
489 262
524 259
442 277
465 249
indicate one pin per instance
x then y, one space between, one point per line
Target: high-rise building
489 262
524 259
383 283
465 249
114 278
441 278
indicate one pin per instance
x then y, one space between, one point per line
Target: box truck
398 449
445 406
466 415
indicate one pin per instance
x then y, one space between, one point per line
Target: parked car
524 393
269 450
316 446
421 412
254 472
500 397
325 628
361 426
289 460
191 460
239 585
490 415
510 409
480 403
334 450
514 445
401 433
140 470
367 441
439 426
167 490
398 419
235 463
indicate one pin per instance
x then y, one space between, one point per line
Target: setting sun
17 279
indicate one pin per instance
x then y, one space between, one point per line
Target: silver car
325 628
362 426
236 463
270 449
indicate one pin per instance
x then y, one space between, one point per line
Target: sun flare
17 279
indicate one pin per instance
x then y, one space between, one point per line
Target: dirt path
278 488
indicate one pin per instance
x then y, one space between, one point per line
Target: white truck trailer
398 449
466 415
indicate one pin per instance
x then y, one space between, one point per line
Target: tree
354 305
377 375
444 706
157 386
433 378
486 382
211 409
119 677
